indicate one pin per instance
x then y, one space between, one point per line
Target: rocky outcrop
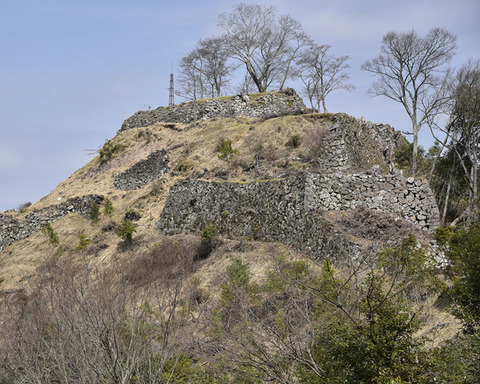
290 210
143 172
285 102
12 230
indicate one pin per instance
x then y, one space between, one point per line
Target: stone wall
410 198
353 145
143 172
285 102
12 229
259 210
340 143
290 210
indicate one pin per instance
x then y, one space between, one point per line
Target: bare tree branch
410 70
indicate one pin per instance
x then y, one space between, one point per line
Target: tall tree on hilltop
322 73
190 80
205 71
411 71
267 46
216 69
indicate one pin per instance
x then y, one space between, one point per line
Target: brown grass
191 149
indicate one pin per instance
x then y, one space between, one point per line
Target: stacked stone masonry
290 210
12 229
354 145
143 172
281 103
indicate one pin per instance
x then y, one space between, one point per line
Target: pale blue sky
72 70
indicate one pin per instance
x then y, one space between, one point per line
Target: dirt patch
367 224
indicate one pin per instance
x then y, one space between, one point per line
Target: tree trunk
474 188
310 99
432 170
445 205
416 129
323 104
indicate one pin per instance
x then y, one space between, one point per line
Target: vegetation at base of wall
52 235
208 243
94 212
298 321
360 335
208 233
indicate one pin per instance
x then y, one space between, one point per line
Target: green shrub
411 267
126 230
207 245
463 253
208 233
226 150
109 150
53 238
83 241
443 235
94 212
180 369
108 208
238 280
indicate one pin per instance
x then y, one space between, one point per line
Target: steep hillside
259 186
272 161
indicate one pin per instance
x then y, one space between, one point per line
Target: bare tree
465 126
204 71
411 71
216 69
265 45
80 326
322 73
298 40
190 82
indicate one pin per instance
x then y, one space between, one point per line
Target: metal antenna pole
170 99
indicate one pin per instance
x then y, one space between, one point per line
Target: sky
72 70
